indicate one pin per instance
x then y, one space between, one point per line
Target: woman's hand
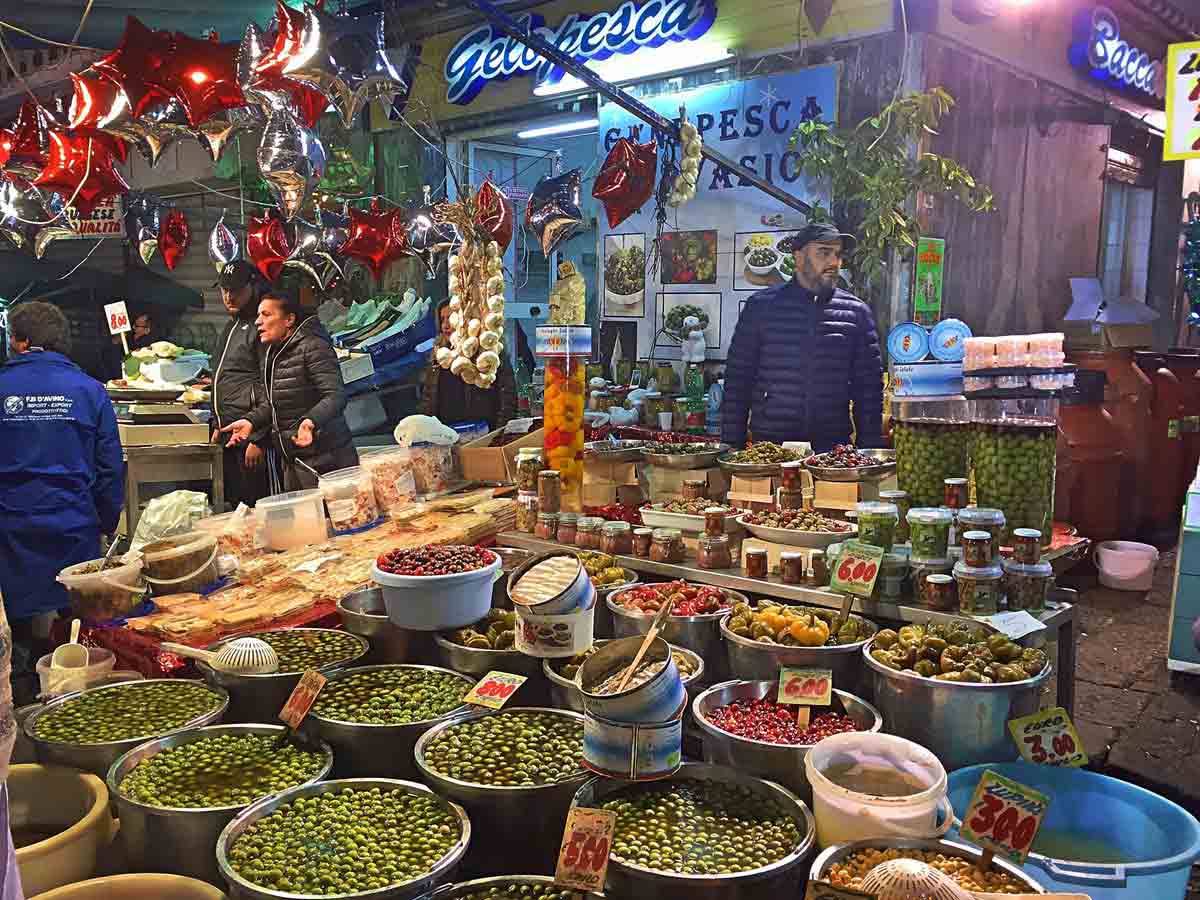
253 458
239 432
304 434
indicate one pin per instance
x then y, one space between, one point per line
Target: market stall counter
171 465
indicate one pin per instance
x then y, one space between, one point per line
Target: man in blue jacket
802 352
61 468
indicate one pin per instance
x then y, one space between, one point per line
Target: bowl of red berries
437 586
695 619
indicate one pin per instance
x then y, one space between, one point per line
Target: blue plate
908 342
947 340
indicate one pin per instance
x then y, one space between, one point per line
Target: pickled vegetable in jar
955 491
1026 586
978 589
929 532
755 562
977 549
793 475
714 552
547 526
977 518
1027 545
563 418
714 521
527 512
1014 458
877 523
642 538
900 498
694 489
928 451
666 545
938 592
616 538
566 527
653 404
549 488
587 532
791 567
529 464
785 499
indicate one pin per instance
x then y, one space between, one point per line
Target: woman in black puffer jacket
306 397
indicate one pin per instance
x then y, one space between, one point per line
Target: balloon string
46 40
82 261
86 168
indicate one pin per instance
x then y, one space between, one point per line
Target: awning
139 286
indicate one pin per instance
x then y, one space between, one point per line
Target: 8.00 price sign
1004 816
1049 738
494 689
583 856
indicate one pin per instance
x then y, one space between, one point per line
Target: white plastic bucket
1126 565
844 815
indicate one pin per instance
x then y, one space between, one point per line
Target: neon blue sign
1099 51
486 54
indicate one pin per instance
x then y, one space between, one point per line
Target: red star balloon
494 214
202 76
80 169
260 69
135 65
626 181
174 237
25 142
266 245
376 238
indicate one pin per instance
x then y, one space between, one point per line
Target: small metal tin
908 342
571 598
655 701
948 340
556 636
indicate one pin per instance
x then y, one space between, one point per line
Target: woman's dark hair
42 325
289 302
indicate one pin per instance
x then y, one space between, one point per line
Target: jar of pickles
979 589
566 527
877 523
1014 454
529 464
820 567
666 545
889 586
938 592
1027 545
932 439
653 404
714 521
1026 586
563 441
929 531
587 532
694 489
549 488
714 552
791 567
977 548
792 475
955 493
900 498
547 526
642 538
616 538
978 518
755 562
527 511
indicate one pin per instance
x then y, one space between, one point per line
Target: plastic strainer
911 879
245 656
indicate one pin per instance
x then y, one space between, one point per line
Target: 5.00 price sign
1004 816
583 856
1049 738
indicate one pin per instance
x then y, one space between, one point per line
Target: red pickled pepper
686 599
775 723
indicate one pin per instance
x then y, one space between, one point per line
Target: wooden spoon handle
649 639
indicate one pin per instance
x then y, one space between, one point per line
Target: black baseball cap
236 275
817 231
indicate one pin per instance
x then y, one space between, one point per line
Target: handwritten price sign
494 689
820 890
856 569
1004 816
811 687
583 856
302 698
1182 140
1049 738
117 316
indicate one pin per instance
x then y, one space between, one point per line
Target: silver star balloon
154 132
553 212
310 252
291 159
215 134
334 232
428 235
56 225
21 211
223 245
143 215
345 58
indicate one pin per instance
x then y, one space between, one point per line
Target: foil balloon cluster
143 223
267 244
626 181
476 315
553 212
684 188
314 247
80 169
428 235
25 142
291 158
21 212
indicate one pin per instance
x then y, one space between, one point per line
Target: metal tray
887 465
686 522
613 451
816 540
685 460
142 396
749 470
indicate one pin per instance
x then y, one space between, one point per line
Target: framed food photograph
673 308
688 257
759 261
624 276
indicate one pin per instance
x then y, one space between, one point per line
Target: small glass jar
977 549
903 505
600 401
714 521
791 567
755 562
666 545
978 589
1027 545
955 492
785 499
527 512
549 491
642 538
529 464
587 533
714 552
694 489
547 526
929 531
938 592
890 584
793 476
877 523
566 527
616 538
653 404
977 518
820 567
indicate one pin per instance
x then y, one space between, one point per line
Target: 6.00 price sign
1049 738
856 568
1004 816
583 856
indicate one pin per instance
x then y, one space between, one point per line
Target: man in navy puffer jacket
801 352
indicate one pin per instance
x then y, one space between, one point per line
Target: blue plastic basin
1160 839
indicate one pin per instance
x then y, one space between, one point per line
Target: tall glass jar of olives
1013 454
932 439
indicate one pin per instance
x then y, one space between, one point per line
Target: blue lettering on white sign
486 54
1099 50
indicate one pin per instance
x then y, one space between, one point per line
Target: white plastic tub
100 596
294 519
181 565
437 602
64 681
1126 565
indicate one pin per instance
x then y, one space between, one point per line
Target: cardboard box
602 481
763 486
1095 322
666 484
482 462
163 435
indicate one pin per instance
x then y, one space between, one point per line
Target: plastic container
294 519
978 518
929 532
1026 586
350 499
1158 840
392 479
979 353
1012 350
979 589
890 584
99 596
932 438
433 467
845 815
64 681
138 886
877 523
236 532
1014 455
1126 565
437 602
947 340
903 505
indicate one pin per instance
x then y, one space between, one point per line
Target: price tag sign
494 689
1049 738
303 696
1004 816
118 317
820 890
811 687
856 569
583 856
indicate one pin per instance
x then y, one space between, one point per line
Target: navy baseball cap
236 275
817 231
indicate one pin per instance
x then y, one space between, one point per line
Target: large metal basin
781 763
365 614
755 661
961 724
173 840
784 878
700 634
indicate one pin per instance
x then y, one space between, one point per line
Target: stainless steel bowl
259 698
565 694
98 758
886 466
466 888
701 460
365 614
602 620
748 470
527 821
376 751
440 874
781 763
838 852
478 662
176 840
782 878
700 634
755 661
961 724
613 451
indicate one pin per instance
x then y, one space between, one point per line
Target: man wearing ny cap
237 382
802 352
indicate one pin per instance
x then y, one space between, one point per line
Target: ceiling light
559 128
621 68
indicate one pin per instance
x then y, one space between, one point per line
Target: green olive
300 649
509 749
1014 472
123 712
520 890
927 453
392 695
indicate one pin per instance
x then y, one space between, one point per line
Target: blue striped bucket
640 751
657 700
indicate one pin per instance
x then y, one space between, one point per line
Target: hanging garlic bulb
494 266
470 347
455 302
456 319
489 340
495 303
474 327
495 285
444 357
459 363
683 188
488 361
494 322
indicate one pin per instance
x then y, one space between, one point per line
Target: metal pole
502 21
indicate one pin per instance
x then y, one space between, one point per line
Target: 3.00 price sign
494 689
583 856
1049 738
1004 816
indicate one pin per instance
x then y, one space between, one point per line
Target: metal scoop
242 656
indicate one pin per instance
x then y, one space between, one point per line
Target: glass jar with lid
642 538
587 532
755 562
547 526
1014 457
566 528
616 538
932 438
791 567
694 489
714 552
527 511
529 464
653 404
666 545
549 490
